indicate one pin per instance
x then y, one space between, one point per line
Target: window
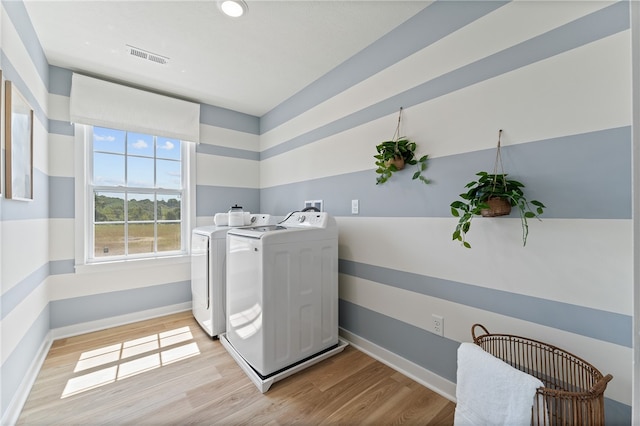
136 195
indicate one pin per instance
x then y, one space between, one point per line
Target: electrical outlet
437 324
355 206
318 204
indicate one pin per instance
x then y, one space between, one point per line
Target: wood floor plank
362 405
167 371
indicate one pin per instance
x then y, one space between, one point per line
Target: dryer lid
257 231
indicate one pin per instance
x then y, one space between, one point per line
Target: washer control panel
306 220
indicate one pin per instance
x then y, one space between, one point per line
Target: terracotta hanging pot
396 161
497 207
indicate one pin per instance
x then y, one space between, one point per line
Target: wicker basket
573 392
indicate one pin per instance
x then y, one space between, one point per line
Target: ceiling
249 64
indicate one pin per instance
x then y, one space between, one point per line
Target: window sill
131 264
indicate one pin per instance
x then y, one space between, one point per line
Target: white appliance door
201 300
217 285
245 299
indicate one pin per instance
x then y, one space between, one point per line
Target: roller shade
102 103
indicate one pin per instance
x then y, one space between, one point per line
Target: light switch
355 206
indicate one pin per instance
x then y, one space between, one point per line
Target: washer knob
301 218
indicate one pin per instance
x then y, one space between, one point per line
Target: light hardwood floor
168 371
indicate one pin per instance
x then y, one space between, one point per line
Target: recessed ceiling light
233 8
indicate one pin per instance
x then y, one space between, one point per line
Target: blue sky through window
139 144
108 140
168 148
109 159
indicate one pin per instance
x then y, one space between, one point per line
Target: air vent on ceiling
144 54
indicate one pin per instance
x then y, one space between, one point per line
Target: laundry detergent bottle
236 216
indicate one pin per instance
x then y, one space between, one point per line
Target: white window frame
84 210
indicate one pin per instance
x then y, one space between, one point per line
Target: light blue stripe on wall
18 15
83 309
219 199
594 323
229 119
436 354
585 176
59 127
18 83
17 365
38 208
595 26
59 267
60 81
61 197
53 197
435 22
224 151
19 292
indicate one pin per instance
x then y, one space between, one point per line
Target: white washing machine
208 274
282 296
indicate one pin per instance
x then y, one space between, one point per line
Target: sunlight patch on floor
122 360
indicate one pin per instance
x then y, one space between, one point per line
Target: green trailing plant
484 192
394 154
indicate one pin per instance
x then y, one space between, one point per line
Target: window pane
140 238
140 144
108 140
168 174
108 169
168 148
109 240
131 217
169 207
169 236
109 207
140 172
140 207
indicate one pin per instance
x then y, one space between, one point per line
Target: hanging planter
394 154
493 195
396 161
497 206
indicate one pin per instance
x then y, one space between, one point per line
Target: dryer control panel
306 220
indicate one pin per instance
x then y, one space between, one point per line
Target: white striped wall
43 298
583 262
24 243
503 268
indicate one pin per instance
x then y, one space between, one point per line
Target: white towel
491 392
221 219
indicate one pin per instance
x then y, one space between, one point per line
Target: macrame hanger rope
396 135
498 162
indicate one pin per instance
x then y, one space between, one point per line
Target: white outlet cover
437 324
318 204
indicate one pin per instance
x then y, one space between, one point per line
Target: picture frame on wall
1 121
18 126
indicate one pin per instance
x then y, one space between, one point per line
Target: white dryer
208 274
282 295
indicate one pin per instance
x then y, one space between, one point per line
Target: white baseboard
88 327
420 374
12 413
